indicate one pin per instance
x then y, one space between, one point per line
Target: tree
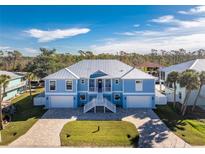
4 80
172 78
30 76
202 82
189 80
16 56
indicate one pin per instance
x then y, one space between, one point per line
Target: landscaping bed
99 133
24 118
189 129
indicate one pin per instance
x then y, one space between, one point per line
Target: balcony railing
104 89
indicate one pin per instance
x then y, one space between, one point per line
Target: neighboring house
107 83
197 65
16 85
150 68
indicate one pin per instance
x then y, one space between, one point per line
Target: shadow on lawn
25 109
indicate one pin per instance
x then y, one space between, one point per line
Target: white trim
141 85
55 85
138 94
66 85
50 94
193 64
72 73
118 91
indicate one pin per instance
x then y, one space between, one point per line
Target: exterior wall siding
116 87
83 86
60 87
148 86
79 88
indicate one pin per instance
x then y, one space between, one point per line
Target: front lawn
99 133
24 118
190 130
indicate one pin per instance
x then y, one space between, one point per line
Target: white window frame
50 85
66 85
137 88
118 81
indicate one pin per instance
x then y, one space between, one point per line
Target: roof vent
121 70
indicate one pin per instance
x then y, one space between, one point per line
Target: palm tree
172 78
30 76
189 80
4 80
202 82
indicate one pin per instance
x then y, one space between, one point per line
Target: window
138 85
69 85
82 81
180 95
82 97
107 85
91 85
52 85
117 81
117 97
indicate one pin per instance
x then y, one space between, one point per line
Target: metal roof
61 74
99 68
11 74
197 65
137 74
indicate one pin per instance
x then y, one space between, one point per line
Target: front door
99 85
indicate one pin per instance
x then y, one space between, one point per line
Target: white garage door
139 101
62 102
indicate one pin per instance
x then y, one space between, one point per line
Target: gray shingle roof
99 69
198 65
11 74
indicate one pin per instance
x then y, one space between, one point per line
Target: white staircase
99 101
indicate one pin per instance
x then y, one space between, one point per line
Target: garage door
139 101
62 102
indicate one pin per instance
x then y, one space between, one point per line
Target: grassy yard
99 133
190 130
23 119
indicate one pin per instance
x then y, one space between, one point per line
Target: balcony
96 89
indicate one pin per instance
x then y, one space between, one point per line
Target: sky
101 29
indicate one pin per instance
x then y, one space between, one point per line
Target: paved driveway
153 132
45 132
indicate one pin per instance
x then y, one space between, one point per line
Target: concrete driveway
153 132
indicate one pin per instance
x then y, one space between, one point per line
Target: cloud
136 25
164 19
195 10
46 36
5 48
187 34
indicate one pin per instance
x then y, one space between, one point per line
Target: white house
197 65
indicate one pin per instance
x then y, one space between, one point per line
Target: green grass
24 118
110 133
190 130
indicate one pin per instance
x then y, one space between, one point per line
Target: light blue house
16 85
107 83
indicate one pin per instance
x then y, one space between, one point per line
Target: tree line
50 60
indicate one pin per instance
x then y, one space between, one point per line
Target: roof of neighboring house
11 74
150 64
197 65
99 69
